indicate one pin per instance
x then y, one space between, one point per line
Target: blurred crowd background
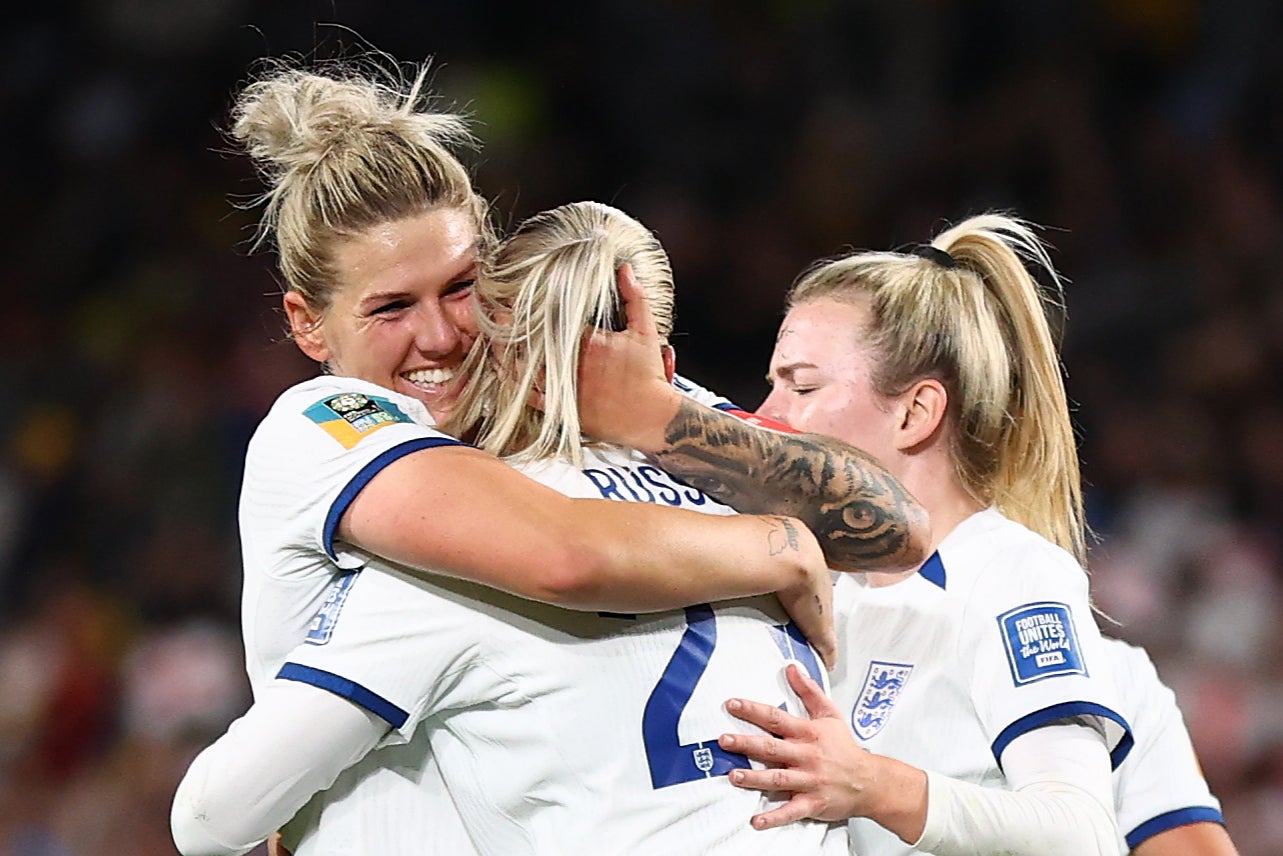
140 340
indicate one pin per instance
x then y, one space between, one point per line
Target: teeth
429 376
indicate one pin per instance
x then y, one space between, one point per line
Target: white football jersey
1159 786
993 637
322 441
556 731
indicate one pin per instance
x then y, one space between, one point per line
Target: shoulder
991 553
327 397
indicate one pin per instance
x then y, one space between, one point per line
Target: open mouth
430 380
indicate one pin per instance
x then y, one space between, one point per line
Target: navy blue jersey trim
1171 820
1064 710
350 690
933 570
726 405
362 478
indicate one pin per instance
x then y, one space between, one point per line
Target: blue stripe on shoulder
1065 710
344 688
369 471
1171 820
933 570
726 405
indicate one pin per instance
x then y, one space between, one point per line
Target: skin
403 318
821 381
821 377
1195 839
836 484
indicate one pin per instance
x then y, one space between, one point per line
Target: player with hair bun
352 492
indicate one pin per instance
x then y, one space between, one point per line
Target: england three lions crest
882 686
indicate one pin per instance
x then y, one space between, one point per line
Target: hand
809 601
818 765
625 394
275 847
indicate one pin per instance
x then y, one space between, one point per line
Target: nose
773 407
437 331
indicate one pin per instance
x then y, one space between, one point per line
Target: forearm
862 516
1060 803
652 558
291 744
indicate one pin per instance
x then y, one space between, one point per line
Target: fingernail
727 741
734 704
737 777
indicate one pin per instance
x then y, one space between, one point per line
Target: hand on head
625 390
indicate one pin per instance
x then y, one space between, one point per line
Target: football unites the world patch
322 626
882 686
352 415
1041 642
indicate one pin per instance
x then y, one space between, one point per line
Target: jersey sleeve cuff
348 689
1118 734
363 477
1171 820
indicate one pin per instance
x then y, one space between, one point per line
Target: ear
922 411
305 326
670 361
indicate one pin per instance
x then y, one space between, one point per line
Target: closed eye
390 307
463 286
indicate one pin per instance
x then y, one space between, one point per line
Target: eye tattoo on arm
862 516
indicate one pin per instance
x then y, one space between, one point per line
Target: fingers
792 811
775 781
766 717
636 306
812 694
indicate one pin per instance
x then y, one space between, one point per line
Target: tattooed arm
863 517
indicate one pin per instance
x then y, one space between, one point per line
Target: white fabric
299 473
1059 803
253 779
993 638
544 721
703 395
536 712
1160 784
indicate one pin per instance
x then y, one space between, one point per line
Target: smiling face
402 317
820 378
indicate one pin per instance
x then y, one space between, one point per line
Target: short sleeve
322 442
1036 654
392 644
1160 785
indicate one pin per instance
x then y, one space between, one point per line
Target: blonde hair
341 152
547 283
967 311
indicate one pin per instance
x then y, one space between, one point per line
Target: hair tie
935 254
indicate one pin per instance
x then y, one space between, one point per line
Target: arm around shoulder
461 513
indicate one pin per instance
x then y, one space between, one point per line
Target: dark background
140 343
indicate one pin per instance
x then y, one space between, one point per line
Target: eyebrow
789 369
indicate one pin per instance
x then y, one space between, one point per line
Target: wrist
902 802
647 427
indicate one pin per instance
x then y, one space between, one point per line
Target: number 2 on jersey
672 762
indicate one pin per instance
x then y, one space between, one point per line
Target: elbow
573 576
895 542
917 538
194 824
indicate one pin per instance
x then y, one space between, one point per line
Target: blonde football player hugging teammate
356 509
